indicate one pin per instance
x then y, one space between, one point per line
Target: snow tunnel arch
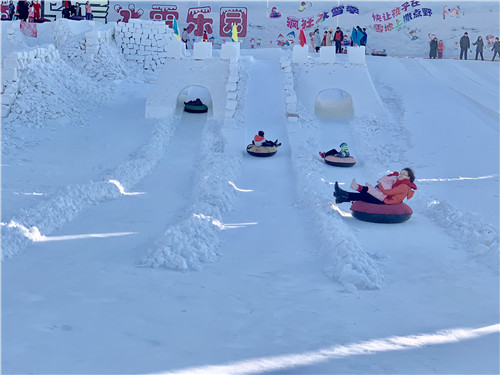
193 93
334 104
177 75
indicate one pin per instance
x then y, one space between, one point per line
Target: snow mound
64 205
468 230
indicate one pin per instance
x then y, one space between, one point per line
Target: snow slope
138 246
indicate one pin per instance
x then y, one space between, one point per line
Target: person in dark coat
66 9
464 45
479 47
434 47
364 39
12 10
496 48
338 37
23 9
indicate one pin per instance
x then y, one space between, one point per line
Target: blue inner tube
195 108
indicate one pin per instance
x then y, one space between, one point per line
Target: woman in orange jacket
403 188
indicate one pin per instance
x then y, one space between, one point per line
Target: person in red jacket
37 7
403 188
440 49
259 140
338 37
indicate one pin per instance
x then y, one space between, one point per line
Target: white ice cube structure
230 50
356 54
202 50
300 54
327 55
175 48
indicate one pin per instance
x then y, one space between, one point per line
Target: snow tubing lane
195 108
340 162
381 213
261 151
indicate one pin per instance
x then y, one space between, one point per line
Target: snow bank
67 203
468 230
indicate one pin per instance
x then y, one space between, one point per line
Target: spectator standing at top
434 47
440 49
323 41
329 38
479 47
364 36
496 48
38 8
23 10
12 10
65 11
464 45
88 11
338 37
31 13
317 40
185 36
76 10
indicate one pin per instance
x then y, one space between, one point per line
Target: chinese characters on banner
398 16
165 13
198 19
307 22
230 15
5 9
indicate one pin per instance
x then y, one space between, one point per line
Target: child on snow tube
259 140
343 153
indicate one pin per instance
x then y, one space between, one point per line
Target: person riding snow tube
261 147
387 205
340 158
195 106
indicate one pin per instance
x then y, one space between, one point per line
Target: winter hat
343 146
331 30
261 133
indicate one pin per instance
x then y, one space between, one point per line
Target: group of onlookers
479 43
75 10
31 11
436 48
330 38
24 10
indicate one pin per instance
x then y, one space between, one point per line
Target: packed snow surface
136 245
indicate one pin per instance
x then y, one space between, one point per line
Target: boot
341 199
322 154
338 190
